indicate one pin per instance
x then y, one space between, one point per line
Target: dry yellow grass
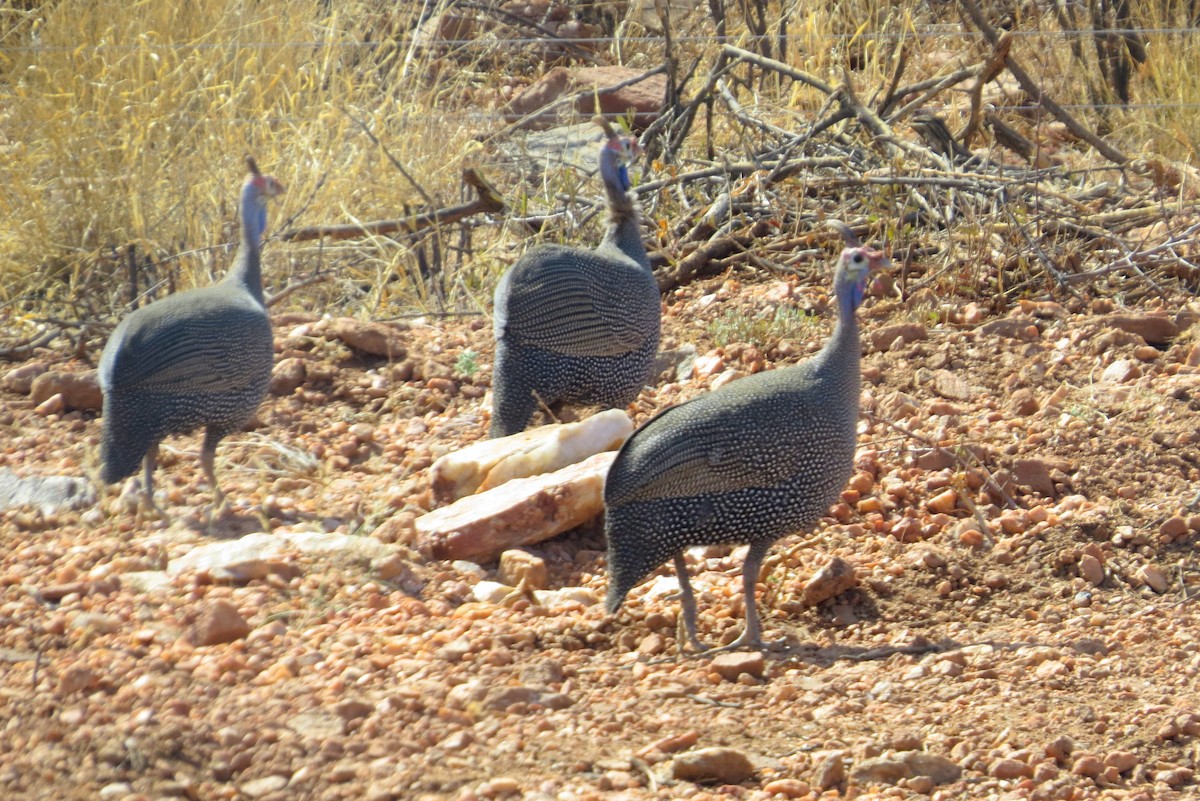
124 125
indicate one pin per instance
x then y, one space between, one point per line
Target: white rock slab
492 462
519 512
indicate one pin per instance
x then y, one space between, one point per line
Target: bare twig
488 202
1031 87
571 100
282 294
24 350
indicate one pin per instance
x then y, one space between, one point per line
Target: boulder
519 512
490 463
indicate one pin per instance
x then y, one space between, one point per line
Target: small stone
79 390
491 592
1036 474
51 405
19 380
1091 569
1120 371
724 765
518 565
831 580
353 709
880 770
733 664
399 571
831 770
287 375
891 336
920 784
219 622
788 788
500 787
952 386
1009 769
944 502
707 365
1174 777
1173 528
1088 765
1022 402
1155 578
256 788
1060 748
375 339
115 790
940 769
1123 761
75 679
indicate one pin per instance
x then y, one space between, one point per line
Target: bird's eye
859 258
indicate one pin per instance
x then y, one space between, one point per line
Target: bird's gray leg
148 509
752 635
208 456
687 599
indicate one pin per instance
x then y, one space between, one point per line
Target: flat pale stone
734 663
492 462
724 765
79 390
255 555
519 512
48 493
519 565
834 578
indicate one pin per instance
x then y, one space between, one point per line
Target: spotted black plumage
202 357
575 325
759 458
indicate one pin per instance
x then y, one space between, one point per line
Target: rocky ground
1023 623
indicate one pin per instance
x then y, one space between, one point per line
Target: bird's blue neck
843 347
246 271
624 226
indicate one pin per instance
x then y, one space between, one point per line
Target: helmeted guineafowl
202 357
759 458
577 325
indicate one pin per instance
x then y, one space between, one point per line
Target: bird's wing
576 302
184 347
695 449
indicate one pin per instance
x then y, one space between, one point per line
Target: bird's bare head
266 186
615 157
855 267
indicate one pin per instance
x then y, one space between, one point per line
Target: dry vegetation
997 630
122 129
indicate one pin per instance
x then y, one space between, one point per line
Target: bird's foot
215 513
751 641
148 510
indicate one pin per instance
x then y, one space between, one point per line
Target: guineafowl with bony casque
201 357
577 325
761 457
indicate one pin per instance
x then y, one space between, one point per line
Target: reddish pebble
788 788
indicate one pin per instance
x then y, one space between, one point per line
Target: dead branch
740 169
315 278
571 100
24 350
1031 87
488 202
991 69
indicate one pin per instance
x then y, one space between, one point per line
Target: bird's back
778 431
577 302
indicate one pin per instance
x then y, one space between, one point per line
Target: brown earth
1024 615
